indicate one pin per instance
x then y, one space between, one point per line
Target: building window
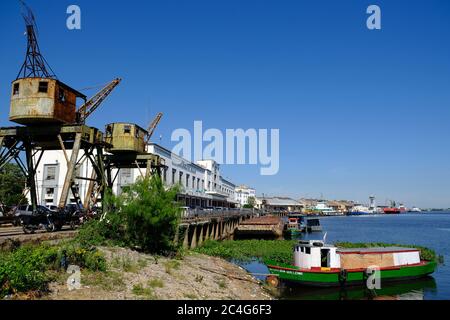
198 184
174 173
50 173
165 175
187 180
16 88
109 130
127 129
62 95
126 177
43 87
307 250
49 192
193 182
180 179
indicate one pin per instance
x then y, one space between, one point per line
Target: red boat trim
337 270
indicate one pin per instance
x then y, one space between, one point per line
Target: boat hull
358 213
332 278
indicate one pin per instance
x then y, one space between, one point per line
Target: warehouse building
202 184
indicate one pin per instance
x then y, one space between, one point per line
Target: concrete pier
197 231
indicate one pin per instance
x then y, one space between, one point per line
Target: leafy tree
12 182
144 216
251 203
151 214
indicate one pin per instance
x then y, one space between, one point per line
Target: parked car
42 218
74 215
53 207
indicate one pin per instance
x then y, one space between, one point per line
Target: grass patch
190 296
156 283
107 281
248 250
172 265
33 267
222 284
146 292
125 263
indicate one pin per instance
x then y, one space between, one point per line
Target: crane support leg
31 179
70 171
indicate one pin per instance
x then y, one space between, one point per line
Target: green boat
322 265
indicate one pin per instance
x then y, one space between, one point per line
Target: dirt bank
133 275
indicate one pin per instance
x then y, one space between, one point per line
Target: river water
431 230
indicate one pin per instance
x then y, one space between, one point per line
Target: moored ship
324 265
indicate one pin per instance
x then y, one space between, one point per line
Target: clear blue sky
360 112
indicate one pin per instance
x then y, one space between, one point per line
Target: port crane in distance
152 127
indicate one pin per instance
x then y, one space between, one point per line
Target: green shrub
29 268
151 215
144 216
23 270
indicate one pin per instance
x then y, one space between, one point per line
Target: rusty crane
46 110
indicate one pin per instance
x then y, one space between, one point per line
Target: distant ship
360 210
393 209
415 209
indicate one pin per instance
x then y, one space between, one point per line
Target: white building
202 184
243 193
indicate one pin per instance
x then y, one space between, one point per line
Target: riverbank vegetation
248 250
144 217
31 268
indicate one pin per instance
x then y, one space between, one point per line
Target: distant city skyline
359 111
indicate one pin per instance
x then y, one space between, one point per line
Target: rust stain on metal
42 100
125 137
267 220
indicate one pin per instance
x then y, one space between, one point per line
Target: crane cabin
125 137
43 100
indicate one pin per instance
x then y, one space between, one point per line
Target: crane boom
92 104
152 126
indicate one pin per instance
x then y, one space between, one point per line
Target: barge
322 265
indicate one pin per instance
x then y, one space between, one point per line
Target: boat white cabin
326 210
315 254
